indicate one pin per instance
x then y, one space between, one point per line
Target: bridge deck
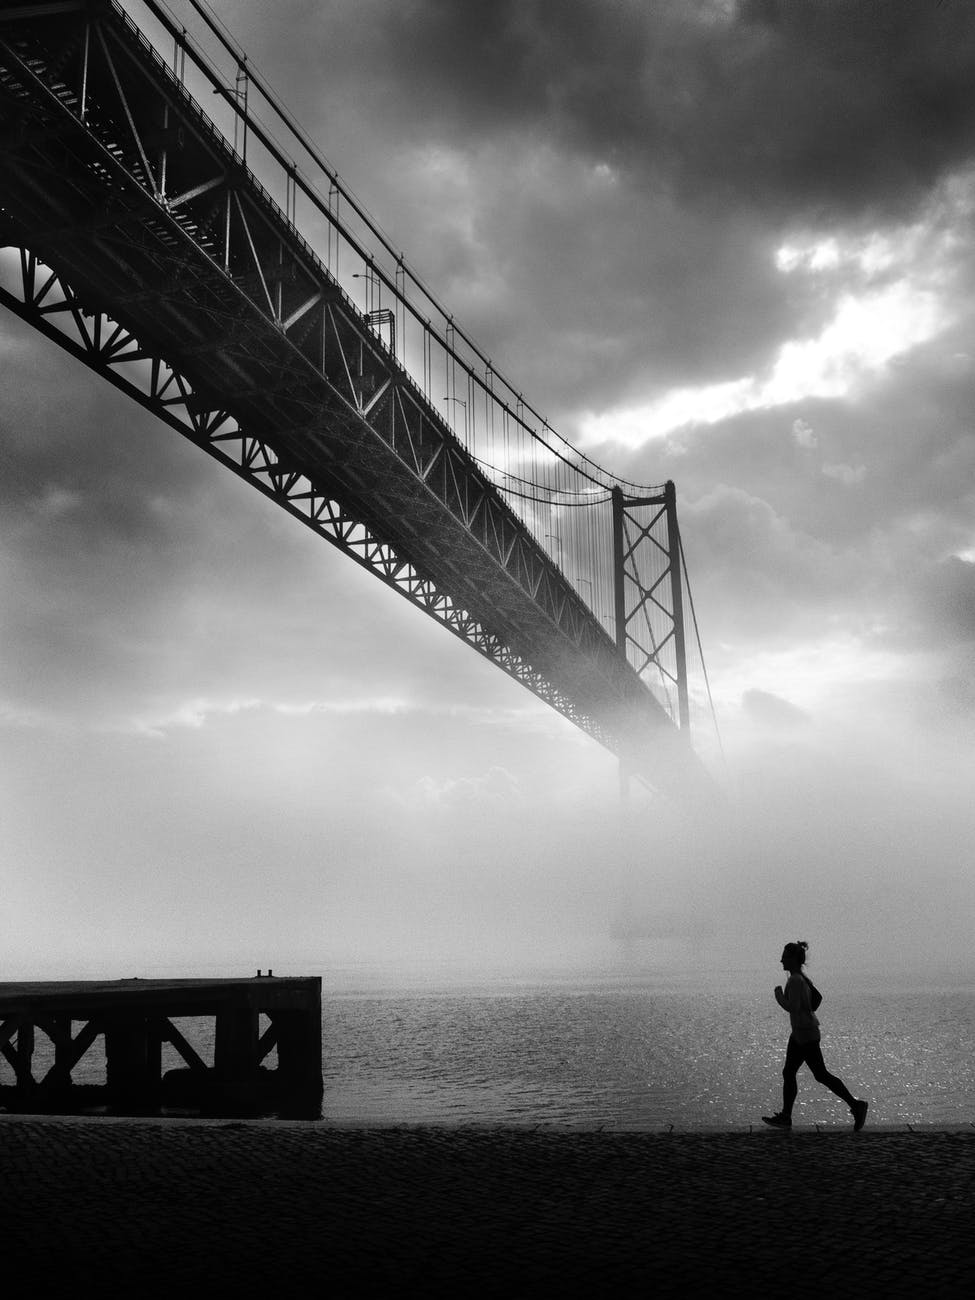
177 277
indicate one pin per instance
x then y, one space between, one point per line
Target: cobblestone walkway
153 1208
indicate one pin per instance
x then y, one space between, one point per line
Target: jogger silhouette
800 998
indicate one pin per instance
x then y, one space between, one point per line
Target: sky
730 244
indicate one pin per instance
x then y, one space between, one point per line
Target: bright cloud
188 713
866 333
806 675
925 243
892 291
196 713
497 786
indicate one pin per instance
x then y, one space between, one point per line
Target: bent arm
790 999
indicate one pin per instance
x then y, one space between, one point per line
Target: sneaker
859 1109
777 1121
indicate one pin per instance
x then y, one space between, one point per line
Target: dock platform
134 1019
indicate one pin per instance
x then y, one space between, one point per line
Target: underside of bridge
137 239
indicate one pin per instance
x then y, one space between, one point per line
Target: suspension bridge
235 287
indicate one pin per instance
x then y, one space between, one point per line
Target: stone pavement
159 1207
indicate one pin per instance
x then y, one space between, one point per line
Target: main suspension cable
700 648
219 30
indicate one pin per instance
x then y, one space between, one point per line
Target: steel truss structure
649 630
138 241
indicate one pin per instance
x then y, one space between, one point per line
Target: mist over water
519 947
859 846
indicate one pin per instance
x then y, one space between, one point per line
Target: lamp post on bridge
553 537
460 402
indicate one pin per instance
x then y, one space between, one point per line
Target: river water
642 1052
621 1050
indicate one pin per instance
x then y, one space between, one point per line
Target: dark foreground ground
182 1208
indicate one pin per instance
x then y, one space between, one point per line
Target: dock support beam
235 1044
132 1062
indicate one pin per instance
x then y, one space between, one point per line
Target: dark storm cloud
911 436
760 581
614 178
828 104
772 118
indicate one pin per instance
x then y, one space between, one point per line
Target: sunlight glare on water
640 1054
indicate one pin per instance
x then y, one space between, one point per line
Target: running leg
793 1059
814 1059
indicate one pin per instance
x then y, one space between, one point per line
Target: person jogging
801 998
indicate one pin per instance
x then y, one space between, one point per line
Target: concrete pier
134 1019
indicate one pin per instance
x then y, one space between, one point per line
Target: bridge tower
649 610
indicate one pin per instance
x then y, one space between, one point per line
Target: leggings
812 1054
